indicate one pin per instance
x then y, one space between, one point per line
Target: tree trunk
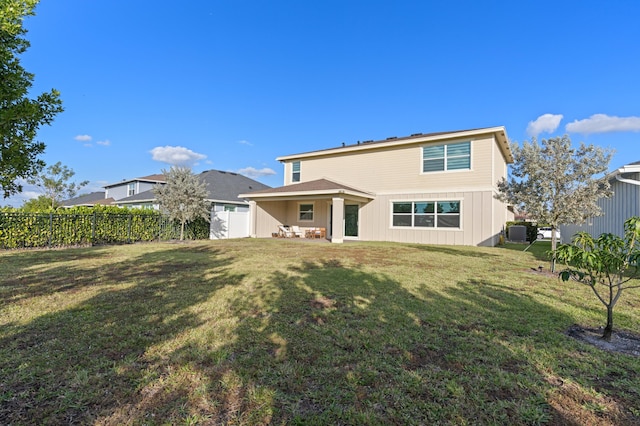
553 249
181 230
608 330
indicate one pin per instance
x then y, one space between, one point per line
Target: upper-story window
453 156
131 189
295 171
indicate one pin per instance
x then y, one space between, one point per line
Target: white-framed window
305 212
453 156
426 214
229 208
295 171
131 189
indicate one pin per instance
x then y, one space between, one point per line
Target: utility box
518 233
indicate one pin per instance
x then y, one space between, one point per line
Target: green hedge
90 225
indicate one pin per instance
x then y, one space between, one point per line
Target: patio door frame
348 211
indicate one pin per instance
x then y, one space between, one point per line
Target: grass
289 332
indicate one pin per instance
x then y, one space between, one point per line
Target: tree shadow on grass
69 365
318 342
321 343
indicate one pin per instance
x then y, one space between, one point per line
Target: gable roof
319 187
87 200
499 133
157 178
221 187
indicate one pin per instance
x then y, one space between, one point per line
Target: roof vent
369 141
392 137
416 134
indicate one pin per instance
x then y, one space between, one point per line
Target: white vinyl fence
229 225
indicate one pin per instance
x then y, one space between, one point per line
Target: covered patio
309 205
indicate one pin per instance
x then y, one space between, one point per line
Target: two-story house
436 188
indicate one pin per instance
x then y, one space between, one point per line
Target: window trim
445 158
313 209
412 214
294 172
131 189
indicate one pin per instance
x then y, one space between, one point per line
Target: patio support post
253 218
337 220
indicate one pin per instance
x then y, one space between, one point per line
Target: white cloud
602 123
176 155
545 123
105 142
83 138
252 172
243 142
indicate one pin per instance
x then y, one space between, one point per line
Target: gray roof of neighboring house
87 200
151 178
221 186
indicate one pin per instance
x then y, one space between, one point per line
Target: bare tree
556 183
183 196
55 183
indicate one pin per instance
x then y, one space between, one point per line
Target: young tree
607 264
55 183
40 204
182 197
556 183
20 116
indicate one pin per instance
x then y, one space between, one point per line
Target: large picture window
426 214
295 171
305 212
439 158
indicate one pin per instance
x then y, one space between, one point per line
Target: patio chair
321 233
284 232
295 229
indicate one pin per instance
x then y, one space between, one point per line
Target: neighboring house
623 204
88 200
436 188
229 214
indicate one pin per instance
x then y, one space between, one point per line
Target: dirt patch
621 341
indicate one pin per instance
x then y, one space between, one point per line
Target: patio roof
321 188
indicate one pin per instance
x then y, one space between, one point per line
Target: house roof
320 187
87 200
620 173
221 187
157 178
499 132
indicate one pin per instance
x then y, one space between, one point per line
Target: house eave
281 196
499 133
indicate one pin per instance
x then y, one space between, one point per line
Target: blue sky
233 84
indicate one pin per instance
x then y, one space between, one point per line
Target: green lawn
294 332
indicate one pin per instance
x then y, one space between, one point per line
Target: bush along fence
90 226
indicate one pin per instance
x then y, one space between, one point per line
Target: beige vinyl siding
499 166
476 211
399 168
